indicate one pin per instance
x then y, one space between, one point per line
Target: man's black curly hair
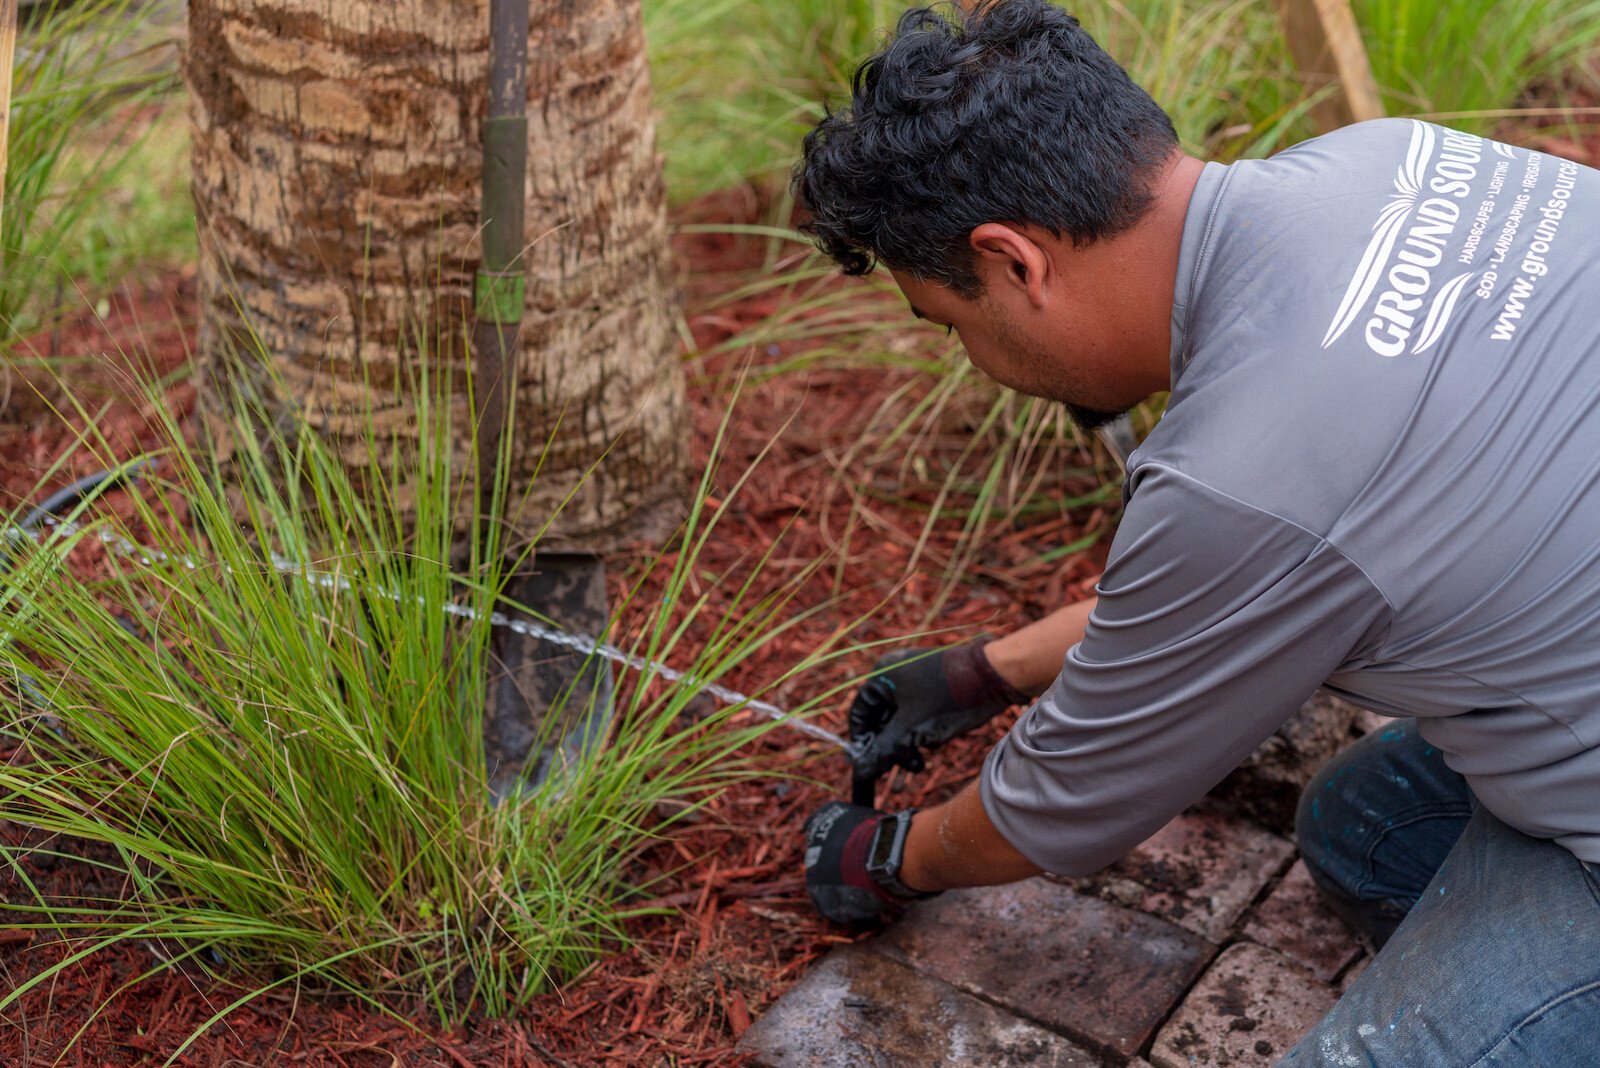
1009 114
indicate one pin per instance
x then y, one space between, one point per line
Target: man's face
1057 347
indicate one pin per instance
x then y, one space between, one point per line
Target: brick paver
1103 974
1247 1010
1200 871
1295 922
1267 786
859 1008
1083 972
1368 721
1354 973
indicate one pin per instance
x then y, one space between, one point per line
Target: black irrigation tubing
66 497
50 510
49 513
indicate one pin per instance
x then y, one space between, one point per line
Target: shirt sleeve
1216 621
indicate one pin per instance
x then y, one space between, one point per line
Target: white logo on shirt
1421 228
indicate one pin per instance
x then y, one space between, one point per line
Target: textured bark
336 176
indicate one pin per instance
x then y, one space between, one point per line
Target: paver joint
1206 945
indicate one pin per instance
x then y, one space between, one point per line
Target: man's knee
1376 822
1497 965
1339 863
1350 803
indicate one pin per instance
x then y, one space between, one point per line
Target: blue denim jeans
1490 939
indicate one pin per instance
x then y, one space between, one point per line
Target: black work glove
934 696
838 837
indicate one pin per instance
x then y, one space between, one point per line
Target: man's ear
1008 257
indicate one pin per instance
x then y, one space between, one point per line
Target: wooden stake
8 51
1326 44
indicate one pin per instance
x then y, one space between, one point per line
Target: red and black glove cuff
839 841
973 681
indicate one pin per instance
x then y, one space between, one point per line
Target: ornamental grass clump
273 729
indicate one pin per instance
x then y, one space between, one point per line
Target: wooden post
1326 45
8 51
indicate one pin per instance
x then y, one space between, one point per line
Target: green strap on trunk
497 296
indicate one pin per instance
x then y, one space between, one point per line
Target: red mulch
741 931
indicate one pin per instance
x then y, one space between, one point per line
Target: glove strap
887 852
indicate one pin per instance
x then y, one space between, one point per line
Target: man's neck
1159 238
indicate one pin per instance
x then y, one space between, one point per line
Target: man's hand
838 838
935 696
953 844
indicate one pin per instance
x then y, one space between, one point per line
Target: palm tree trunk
337 165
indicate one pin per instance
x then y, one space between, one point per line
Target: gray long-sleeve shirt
1379 471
